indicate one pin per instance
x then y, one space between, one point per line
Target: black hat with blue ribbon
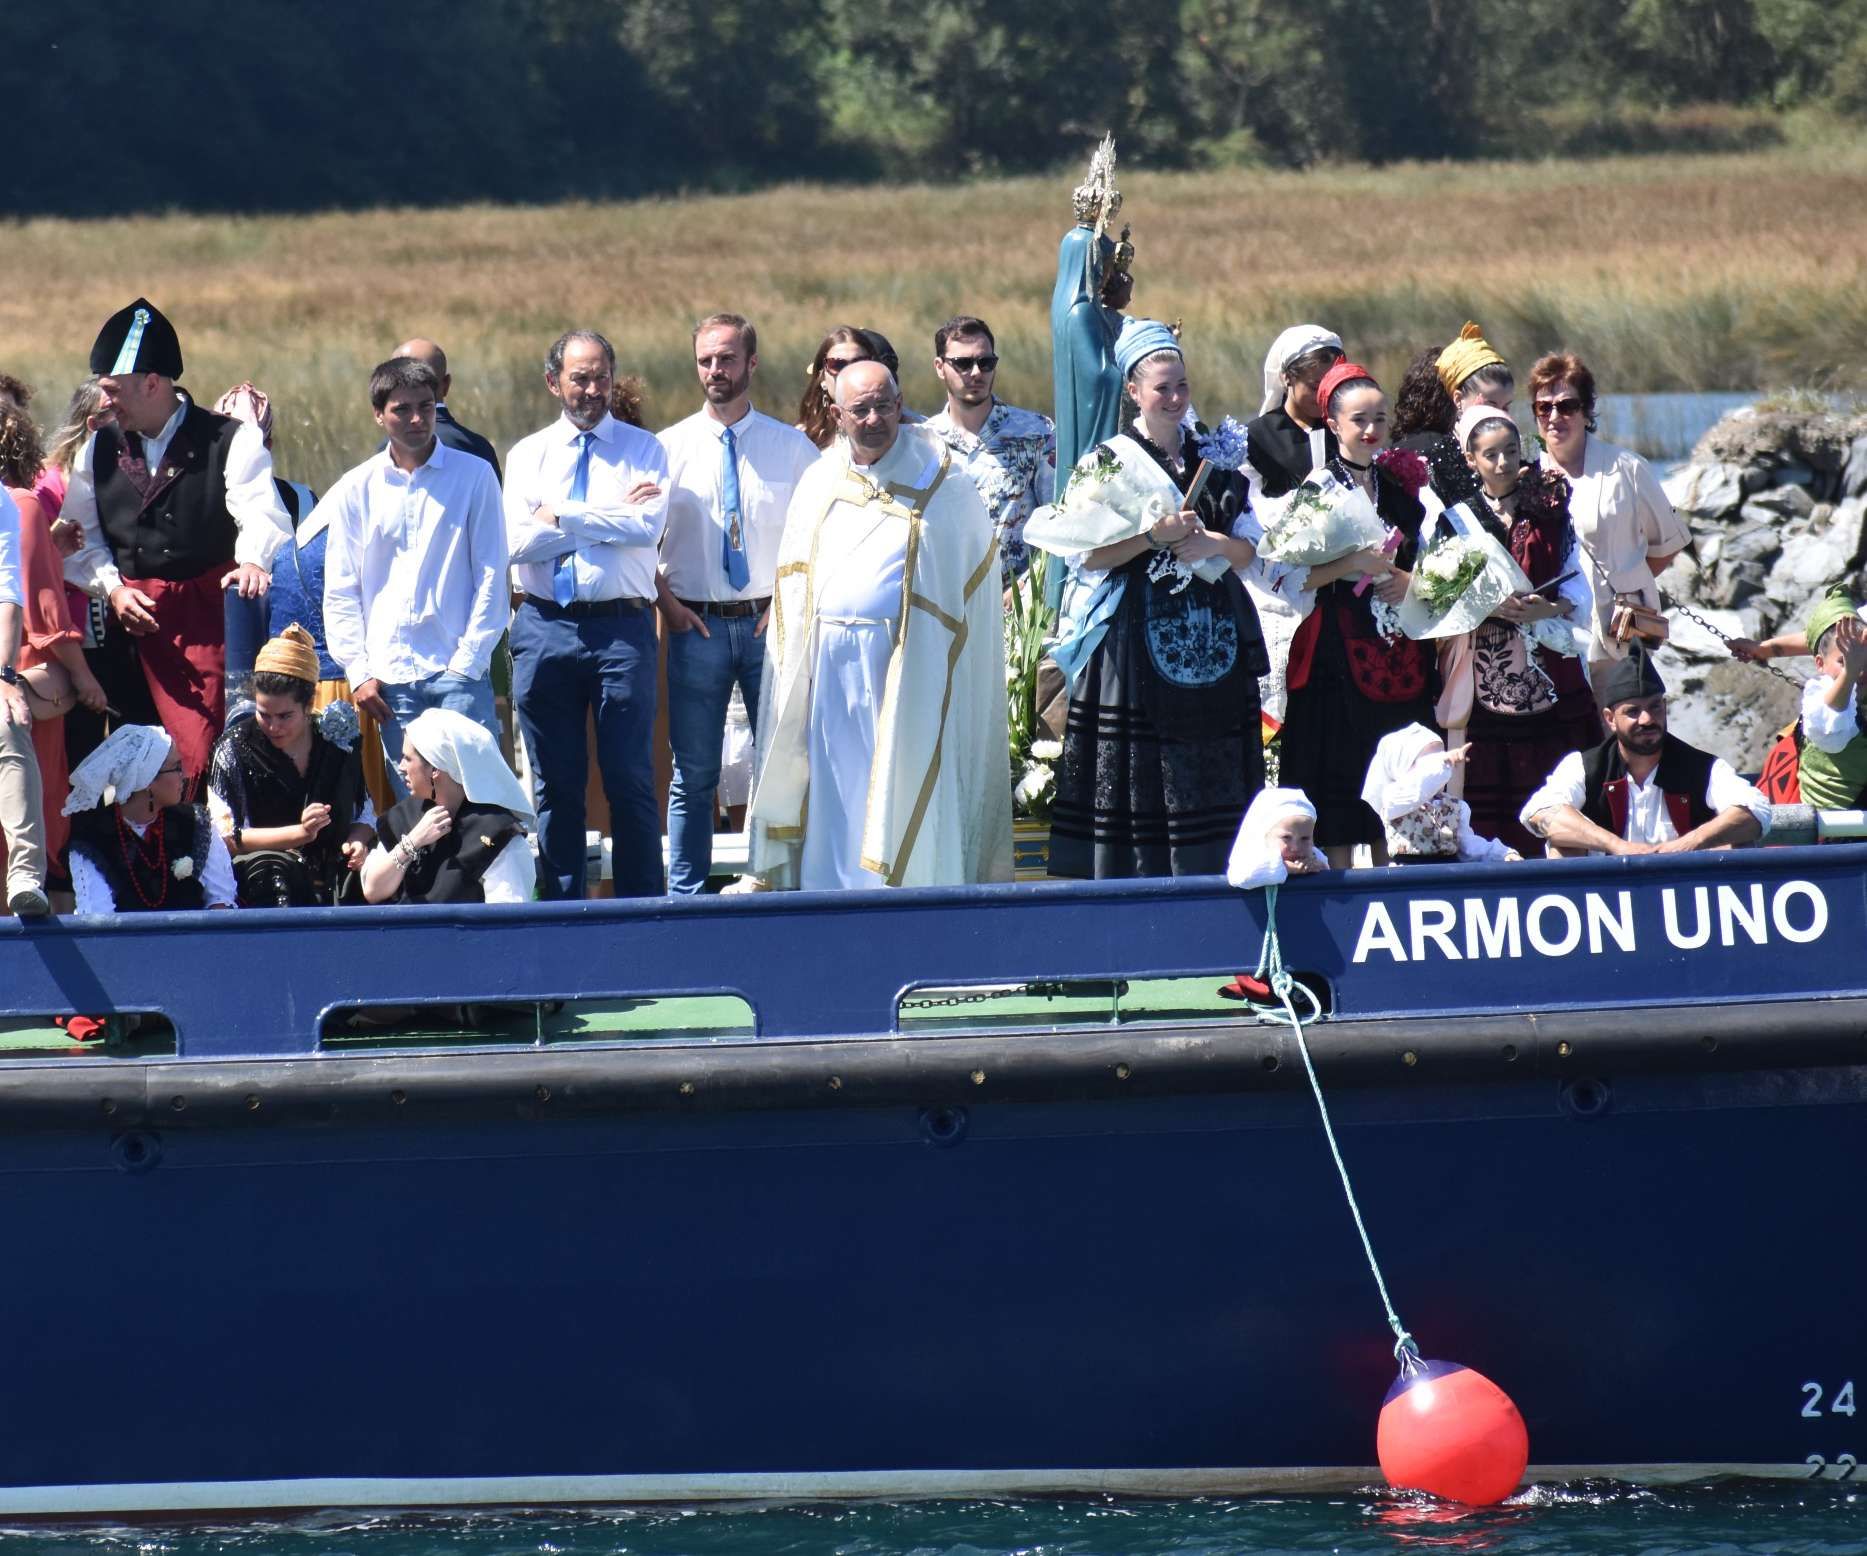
137 339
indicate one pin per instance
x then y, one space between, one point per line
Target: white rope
1271 960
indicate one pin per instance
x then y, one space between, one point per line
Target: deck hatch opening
609 1021
1077 1004
62 1034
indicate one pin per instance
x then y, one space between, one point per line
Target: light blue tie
563 576
733 554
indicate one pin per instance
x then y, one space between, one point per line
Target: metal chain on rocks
1667 602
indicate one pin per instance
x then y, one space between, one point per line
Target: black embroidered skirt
1511 756
1133 801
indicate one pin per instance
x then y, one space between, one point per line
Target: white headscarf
1285 349
124 764
1255 860
467 754
1408 769
1475 416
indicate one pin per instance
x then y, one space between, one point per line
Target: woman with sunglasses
135 847
1627 528
816 411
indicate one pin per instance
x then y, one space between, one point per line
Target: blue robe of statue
1082 343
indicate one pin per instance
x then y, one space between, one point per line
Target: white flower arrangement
1046 750
182 868
1322 520
1036 785
1447 571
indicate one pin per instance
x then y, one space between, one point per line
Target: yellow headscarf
291 653
1464 357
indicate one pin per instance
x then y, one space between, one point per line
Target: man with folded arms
585 505
731 473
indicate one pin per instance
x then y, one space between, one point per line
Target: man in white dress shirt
1011 454
415 566
585 505
731 473
1642 791
22 820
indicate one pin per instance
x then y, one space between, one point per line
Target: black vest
141 874
184 528
450 870
1683 775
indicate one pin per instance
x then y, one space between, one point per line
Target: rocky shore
1777 503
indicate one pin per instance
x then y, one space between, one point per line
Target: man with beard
176 506
1642 791
585 506
1011 454
882 760
731 473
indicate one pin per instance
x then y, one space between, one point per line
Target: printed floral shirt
1013 462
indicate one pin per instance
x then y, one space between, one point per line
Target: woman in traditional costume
1288 438
135 847
1161 748
1425 417
816 410
51 663
460 835
1625 524
286 787
1353 678
1529 705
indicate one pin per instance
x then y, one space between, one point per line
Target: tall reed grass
1710 272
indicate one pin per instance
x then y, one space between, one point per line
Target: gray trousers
22 817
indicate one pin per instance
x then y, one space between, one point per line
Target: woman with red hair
1627 528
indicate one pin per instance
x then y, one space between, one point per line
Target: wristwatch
8 676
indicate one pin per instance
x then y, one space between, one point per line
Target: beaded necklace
135 851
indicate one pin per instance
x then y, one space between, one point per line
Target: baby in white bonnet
1277 839
1406 788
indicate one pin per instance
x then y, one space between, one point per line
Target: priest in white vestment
883 755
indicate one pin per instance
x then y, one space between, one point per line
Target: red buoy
1450 1431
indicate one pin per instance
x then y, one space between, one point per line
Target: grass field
1679 272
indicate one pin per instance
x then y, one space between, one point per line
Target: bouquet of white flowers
1322 520
1107 501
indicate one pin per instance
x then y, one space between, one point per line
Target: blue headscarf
1139 340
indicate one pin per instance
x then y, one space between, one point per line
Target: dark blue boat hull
308 1293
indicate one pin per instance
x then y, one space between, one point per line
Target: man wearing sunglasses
1011 454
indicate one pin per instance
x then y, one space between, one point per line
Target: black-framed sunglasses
985 364
1568 405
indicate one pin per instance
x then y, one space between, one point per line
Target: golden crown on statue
1096 198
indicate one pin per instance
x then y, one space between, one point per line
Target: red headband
1338 375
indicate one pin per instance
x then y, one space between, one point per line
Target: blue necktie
563 577
733 553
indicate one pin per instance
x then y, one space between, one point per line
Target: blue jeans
457 693
701 672
565 668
